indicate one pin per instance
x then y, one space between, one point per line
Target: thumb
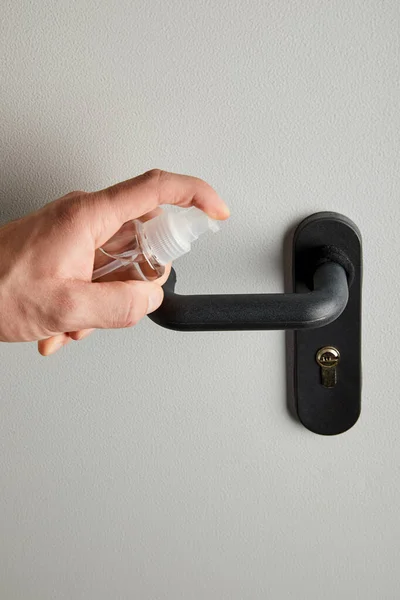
113 304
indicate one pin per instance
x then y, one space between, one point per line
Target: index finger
131 199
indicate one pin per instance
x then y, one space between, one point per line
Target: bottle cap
171 234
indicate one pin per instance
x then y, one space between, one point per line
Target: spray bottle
143 249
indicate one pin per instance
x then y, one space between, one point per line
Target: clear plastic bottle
143 249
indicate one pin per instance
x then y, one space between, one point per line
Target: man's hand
46 266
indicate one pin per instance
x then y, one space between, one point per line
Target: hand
46 266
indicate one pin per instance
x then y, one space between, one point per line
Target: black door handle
324 310
227 312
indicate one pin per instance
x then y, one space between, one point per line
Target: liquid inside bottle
127 253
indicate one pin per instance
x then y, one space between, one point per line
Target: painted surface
156 465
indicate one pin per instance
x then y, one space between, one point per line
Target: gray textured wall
156 465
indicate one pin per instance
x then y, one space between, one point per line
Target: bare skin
46 292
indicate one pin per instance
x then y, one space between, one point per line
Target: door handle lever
232 312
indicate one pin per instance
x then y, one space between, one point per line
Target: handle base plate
329 410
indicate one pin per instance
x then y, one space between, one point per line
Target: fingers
103 305
52 344
131 199
56 342
109 305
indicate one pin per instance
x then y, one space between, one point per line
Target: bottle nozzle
170 235
198 222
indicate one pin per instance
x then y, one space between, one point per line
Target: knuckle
154 174
131 322
66 211
156 179
200 183
131 319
